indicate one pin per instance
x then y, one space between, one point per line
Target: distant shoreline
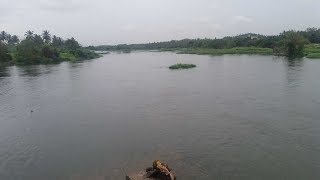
311 51
293 44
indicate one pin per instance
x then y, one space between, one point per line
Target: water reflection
35 70
4 71
75 65
294 72
295 62
32 71
4 81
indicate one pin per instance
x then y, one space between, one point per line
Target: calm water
232 117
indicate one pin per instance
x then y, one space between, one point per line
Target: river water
231 117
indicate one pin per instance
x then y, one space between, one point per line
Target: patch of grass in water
313 56
182 66
312 51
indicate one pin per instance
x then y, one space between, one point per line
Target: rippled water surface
232 117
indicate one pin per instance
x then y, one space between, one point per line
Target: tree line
40 48
288 43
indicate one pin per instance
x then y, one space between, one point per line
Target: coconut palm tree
57 41
8 37
37 39
14 39
3 35
29 34
46 36
72 44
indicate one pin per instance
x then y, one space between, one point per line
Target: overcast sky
94 22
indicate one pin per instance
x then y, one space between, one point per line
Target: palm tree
57 41
3 35
29 34
8 38
37 39
72 44
46 36
14 39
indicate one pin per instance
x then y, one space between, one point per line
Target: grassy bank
238 50
312 51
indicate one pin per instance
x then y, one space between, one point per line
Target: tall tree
46 36
293 44
57 41
312 34
38 40
29 34
72 44
14 39
4 56
8 38
3 36
28 52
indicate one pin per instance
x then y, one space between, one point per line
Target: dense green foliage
4 53
182 66
291 45
288 43
35 49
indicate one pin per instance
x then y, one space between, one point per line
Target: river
232 117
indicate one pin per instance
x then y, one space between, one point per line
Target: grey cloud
242 19
133 21
61 5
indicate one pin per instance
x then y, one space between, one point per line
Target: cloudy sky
95 22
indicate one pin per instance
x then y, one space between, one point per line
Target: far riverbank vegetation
288 43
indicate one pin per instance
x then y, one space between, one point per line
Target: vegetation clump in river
38 49
182 66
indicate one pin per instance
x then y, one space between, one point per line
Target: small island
182 66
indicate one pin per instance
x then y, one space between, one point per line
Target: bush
49 52
292 45
28 52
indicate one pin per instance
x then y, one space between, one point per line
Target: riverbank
310 51
287 43
238 50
